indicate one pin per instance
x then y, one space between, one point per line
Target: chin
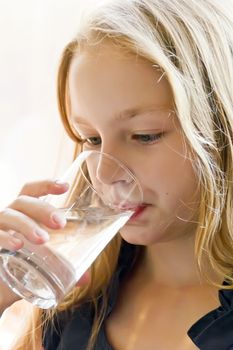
136 236
141 235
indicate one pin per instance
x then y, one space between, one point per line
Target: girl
149 82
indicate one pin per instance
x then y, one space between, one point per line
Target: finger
9 242
40 211
11 219
42 188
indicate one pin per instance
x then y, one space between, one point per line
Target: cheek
181 196
172 180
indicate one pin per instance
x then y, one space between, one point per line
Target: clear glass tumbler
103 195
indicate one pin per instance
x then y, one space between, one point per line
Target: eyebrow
130 112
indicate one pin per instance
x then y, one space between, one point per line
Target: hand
28 212
25 215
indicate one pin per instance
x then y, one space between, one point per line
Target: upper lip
130 206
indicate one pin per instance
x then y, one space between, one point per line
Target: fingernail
42 233
16 241
58 218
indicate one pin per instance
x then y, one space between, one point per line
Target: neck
173 264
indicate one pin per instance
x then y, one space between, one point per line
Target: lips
138 211
136 208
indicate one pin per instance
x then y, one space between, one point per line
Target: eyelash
144 139
147 139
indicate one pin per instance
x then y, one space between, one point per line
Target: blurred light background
33 144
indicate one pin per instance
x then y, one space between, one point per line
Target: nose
112 180
109 171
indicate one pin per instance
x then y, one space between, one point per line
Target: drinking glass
102 196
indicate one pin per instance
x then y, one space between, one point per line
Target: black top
71 330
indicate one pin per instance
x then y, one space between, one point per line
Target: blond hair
192 43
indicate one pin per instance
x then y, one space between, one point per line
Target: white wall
32 141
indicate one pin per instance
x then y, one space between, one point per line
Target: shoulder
215 329
15 323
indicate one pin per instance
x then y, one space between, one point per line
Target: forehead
109 78
107 56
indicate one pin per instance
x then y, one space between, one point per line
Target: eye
147 139
92 141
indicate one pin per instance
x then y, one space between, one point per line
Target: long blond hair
192 43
